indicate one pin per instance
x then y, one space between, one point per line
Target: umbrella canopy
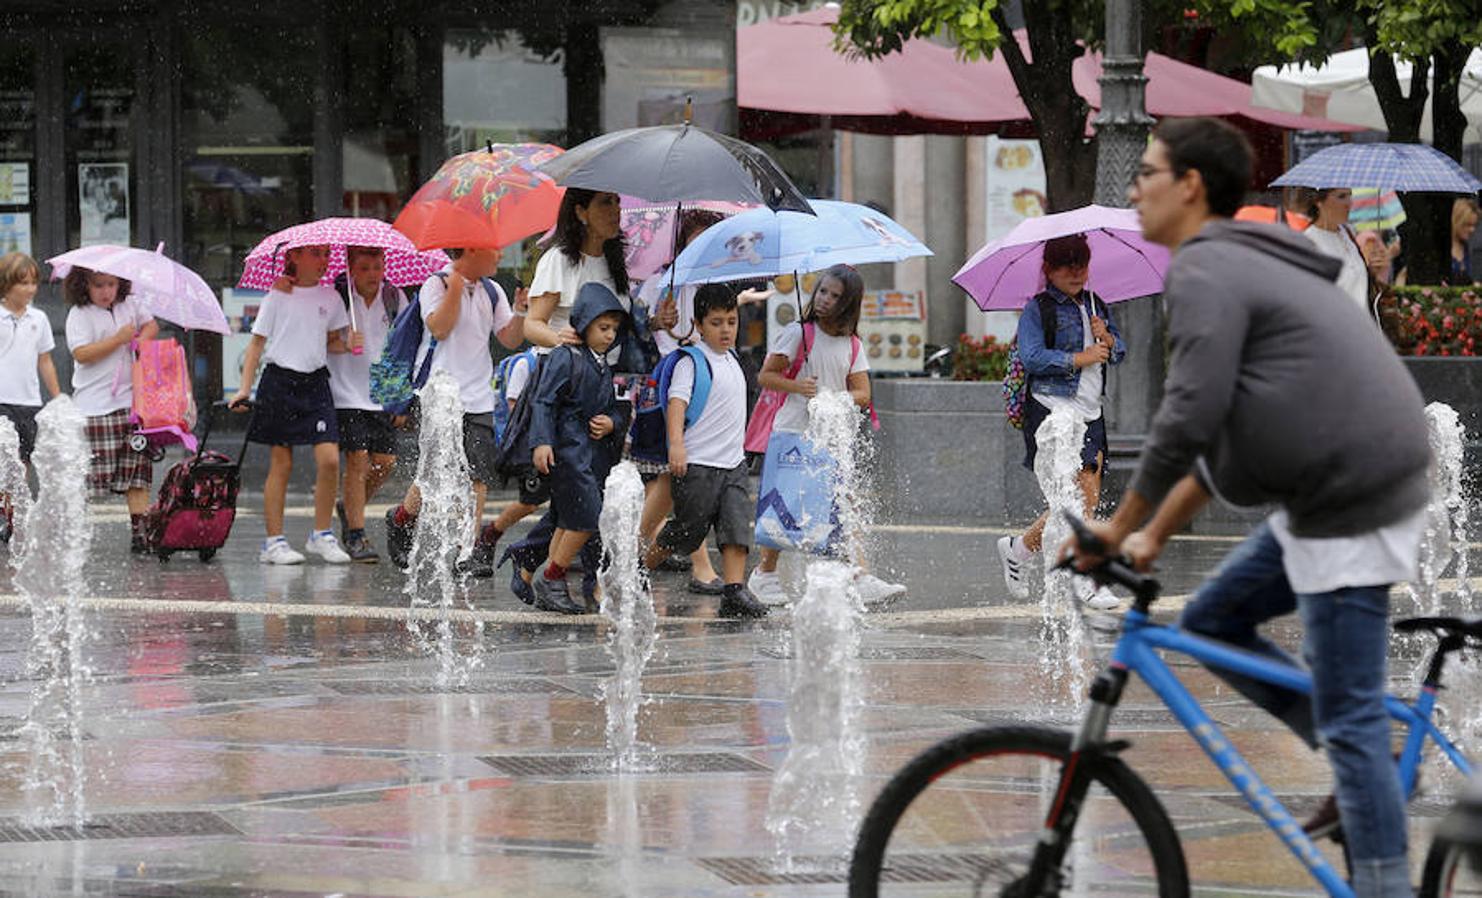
648 232
1375 210
1004 274
761 243
1406 167
677 163
1340 90
485 199
405 265
168 289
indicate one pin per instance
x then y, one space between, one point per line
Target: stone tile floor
280 731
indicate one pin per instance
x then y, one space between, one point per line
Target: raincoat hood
592 301
1277 241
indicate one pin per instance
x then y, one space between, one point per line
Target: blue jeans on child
1345 644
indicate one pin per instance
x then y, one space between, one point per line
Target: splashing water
443 532
815 802
13 486
1057 467
629 604
48 560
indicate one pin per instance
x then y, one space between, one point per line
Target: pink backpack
161 381
759 428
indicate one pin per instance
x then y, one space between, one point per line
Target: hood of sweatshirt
592 301
1277 241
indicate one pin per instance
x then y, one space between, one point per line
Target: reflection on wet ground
244 751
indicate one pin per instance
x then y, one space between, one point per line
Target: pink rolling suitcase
197 502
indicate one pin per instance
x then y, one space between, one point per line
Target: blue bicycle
1027 811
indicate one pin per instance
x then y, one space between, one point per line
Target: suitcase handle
224 405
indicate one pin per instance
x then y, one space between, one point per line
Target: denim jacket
1050 368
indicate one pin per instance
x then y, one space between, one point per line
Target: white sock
268 543
321 534
1019 550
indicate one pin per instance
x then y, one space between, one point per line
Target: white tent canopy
1340 90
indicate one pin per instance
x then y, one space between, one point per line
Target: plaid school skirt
115 468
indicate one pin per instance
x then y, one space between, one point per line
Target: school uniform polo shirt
23 338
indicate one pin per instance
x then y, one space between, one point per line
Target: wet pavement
277 732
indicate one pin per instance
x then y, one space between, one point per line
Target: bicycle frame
1136 652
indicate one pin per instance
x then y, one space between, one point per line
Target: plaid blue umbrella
1405 167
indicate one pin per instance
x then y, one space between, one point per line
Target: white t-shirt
554 273
23 339
349 374
519 378
106 385
1087 399
1387 555
1354 278
297 326
465 352
717 438
654 289
829 360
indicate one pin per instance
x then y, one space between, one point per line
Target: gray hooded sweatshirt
1284 387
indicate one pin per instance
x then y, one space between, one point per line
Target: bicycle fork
1043 877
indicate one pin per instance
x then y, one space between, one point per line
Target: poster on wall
1014 191
103 202
892 326
15 184
241 308
15 232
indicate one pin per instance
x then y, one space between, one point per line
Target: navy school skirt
293 409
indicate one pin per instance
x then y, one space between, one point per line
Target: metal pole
1123 123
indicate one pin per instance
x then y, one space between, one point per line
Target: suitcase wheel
163 555
138 442
206 554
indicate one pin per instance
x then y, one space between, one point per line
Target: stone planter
1456 382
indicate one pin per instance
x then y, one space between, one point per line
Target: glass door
17 148
102 174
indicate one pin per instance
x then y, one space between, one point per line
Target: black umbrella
676 164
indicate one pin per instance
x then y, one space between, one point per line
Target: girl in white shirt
298 324
102 325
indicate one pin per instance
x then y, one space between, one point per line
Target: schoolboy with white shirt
25 353
102 325
462 331
299 323
707 461
367 433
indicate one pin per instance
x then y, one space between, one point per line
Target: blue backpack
650 433
396 377
501 388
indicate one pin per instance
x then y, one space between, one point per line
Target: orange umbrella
485 199
1267 214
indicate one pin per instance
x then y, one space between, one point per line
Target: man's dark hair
1217 150
1070 251
712 298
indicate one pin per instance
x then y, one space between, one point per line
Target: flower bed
980 359
1433 321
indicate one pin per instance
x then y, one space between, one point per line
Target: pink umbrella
649 232
1003 275
405 264
168 289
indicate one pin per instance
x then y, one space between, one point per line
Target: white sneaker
1013 568
278 551
327 547
767 587
874 591
1102 599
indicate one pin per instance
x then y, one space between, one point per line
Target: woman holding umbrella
1333 235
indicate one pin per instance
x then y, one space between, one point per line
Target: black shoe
7 529
138 545
554 595
398 540
1324 821
716 587
339 510
739 602
479 563
675 564
359 549
522 590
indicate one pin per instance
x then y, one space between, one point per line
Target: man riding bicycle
1281 391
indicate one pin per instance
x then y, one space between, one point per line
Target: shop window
98 78
17 148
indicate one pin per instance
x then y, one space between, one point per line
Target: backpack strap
1047 317
390 303
796 367
700 394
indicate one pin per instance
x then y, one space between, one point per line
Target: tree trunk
1059 113
582 66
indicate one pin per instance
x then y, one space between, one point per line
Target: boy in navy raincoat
576 433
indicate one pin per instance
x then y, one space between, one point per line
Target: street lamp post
1123 123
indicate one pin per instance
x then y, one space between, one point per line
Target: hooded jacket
574 386
1281 390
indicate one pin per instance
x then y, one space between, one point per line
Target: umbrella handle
350 291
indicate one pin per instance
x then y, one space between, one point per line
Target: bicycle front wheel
1449 873
962 819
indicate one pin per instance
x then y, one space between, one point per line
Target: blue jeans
1345 646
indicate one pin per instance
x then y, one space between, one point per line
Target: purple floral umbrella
1006 273
168 289
405 264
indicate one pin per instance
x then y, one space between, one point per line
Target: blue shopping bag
795 504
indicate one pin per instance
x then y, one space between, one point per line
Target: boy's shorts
115 468
362 430
293 409
479 447
1093 449
707 497
24 419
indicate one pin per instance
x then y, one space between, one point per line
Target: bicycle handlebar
1110 570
